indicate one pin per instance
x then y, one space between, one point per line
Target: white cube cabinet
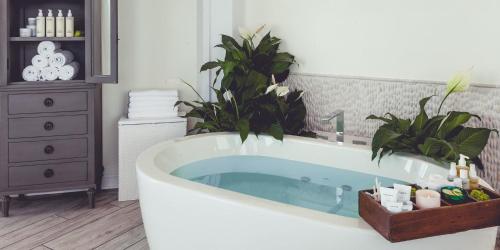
135 136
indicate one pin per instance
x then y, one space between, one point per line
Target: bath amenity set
49 26
452 205
51 63
152 104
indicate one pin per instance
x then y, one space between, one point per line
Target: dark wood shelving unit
51 131
41 39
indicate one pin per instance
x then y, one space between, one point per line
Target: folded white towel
156 110
40 61
69 72
153 99
154 93
31 73
153 103
47 48
61 58
49 73
147 115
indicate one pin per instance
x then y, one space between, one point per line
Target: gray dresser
50 132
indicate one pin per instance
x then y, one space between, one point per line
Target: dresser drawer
47 174
47 150
47 126
47 102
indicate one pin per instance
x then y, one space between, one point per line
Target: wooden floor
65 222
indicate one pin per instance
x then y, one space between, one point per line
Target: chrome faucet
339 115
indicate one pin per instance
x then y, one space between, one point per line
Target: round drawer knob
48 102
49 149
48 126
48 173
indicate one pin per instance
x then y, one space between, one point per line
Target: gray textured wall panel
360 97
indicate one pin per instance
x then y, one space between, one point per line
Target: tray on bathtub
417 224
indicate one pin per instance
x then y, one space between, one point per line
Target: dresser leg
91 197
5 200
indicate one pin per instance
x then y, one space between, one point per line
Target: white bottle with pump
60 31
462 164
473 178
50 25
70 25
40 24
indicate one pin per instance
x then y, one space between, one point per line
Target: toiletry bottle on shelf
50 25
473 179
60 24
464 176
462 164
453 171
40 24
32 26
70 25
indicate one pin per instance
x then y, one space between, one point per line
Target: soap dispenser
462 164
70 25
50 25
473 178
60 24
40 24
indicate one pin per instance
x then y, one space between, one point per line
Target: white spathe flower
271 88
282 91
460 82
228 96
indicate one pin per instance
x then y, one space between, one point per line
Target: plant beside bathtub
251 97
441 137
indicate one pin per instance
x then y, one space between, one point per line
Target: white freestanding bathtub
180 214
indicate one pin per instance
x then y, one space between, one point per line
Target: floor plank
125 240
21 234
101 231
102 198
141 245
64 228
41 248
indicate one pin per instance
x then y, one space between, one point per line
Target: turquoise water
316 187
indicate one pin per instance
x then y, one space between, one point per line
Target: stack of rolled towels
153 104
51 63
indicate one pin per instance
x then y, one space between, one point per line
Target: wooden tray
424 223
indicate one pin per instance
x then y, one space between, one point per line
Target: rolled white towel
49 73
61 58
40 61
31 74
154 93
47 48
69 72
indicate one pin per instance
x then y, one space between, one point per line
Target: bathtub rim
146 168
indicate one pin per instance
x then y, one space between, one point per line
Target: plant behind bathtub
250 98
442 137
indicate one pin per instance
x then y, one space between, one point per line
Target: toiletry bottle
464 176
32 26
60 24
462 164
50 25
40 24
473 179
70 25
453 171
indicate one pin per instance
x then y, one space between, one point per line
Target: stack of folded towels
51 63
150 104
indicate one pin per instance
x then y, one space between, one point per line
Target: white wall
407 39
158 46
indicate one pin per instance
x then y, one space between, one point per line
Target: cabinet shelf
40 39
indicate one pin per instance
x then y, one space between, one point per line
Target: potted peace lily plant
442 137
251 97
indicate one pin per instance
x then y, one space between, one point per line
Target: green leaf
382 137
422 117
276 131
209 65
471 141
243 127
437 149
374 117
453 121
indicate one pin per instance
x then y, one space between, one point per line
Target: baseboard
110 182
